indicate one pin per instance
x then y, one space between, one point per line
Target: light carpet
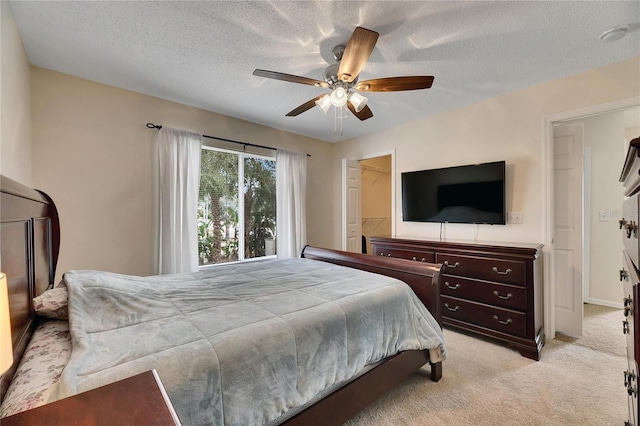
578 381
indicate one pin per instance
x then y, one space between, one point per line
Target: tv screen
472 193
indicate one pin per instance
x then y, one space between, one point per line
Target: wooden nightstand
138 400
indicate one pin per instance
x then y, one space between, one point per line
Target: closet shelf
365 168
374 221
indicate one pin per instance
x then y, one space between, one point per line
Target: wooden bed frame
29 247
30 241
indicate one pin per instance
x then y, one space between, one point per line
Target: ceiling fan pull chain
338 114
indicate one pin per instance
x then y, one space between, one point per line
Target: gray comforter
240 344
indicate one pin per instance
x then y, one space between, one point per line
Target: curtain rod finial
153 126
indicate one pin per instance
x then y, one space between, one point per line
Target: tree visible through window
234 226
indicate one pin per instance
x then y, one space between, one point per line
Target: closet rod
245 144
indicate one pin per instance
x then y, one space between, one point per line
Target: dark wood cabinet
630 276
492 289
138 400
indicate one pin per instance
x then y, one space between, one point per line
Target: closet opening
375 198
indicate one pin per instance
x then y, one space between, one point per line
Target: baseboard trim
608 303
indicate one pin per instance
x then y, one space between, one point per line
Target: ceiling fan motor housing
331 76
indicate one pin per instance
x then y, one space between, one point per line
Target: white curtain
176 180
291 193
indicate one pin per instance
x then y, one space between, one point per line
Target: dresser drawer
502 271
420 256
498 319
504 295
629 227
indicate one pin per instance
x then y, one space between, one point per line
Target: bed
30 246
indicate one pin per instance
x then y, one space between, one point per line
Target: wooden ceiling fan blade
364 113
304 107
290 78
356 53
395 84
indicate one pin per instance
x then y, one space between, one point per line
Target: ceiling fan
342 78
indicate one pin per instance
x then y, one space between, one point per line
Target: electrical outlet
514 217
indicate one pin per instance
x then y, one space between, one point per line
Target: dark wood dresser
492 289
629 275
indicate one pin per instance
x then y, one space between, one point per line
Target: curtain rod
245 144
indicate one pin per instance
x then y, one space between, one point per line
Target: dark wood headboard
29 247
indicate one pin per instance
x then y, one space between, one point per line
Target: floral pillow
52 303
40 368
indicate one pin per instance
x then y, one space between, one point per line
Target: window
236 206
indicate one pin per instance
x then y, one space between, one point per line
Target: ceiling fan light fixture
358 101
338 97
324 103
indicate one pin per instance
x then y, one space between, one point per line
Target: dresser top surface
460 242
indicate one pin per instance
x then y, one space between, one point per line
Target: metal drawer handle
446 263
452 287
623 275
507 272
446 305
507 297
629 378
382 254
507 322
628 306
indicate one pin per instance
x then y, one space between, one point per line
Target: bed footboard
422 277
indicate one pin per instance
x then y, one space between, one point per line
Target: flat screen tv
473 193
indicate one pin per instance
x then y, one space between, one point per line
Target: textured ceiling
203 53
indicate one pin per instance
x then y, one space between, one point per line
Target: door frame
392 153
548 190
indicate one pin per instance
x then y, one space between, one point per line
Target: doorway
368 200
606 129
375 199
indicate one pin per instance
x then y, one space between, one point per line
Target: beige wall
508 127
15 101
91 154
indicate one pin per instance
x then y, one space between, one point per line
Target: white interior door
567 256
351 211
